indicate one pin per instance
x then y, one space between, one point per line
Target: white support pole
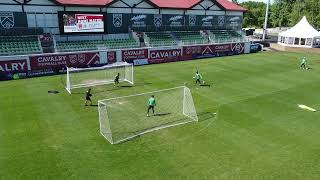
266 21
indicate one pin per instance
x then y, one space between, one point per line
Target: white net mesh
86 77
124 118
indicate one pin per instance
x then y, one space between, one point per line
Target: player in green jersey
151 104
303 63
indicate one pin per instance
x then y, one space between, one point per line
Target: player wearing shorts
151 104
303 63
88 97
198 77
116 79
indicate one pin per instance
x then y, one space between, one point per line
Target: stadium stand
18 45
155 39
190 37
222 36
89 45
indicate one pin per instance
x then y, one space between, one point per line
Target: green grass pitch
259 132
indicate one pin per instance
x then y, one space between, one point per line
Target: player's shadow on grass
94 105
204 116
162 114
206 85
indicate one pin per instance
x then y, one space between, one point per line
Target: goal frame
102 103
126 66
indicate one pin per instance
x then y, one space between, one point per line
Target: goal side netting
124 118
87 77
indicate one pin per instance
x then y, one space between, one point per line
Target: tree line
283 13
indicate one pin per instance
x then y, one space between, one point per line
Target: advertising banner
118 23
234 22
60 61
194 52
174 21
13 69
9 20
80 23
162 56
112 57
19 65
133 54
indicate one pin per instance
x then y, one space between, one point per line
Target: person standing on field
303 63
151 104
88 97
116 79
198 77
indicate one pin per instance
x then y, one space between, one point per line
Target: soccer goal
124 118
87 77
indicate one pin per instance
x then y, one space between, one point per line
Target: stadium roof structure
165 4
302 35
84 2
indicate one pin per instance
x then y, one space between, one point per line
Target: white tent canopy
301 35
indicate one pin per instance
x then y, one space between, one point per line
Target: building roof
178 4
84 2
230 6
172 4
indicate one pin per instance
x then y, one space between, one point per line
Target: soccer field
258 133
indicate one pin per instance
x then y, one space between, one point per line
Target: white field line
306 107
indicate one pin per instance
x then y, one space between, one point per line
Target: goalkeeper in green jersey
198 78
303 63
151 104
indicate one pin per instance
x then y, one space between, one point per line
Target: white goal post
124 118
87 77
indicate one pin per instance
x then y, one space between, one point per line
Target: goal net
124 118
87 77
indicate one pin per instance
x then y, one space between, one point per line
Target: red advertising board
161 56
19 65
58 61
133 54
112 57
192 52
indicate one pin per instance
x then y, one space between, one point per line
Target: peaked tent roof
302 30
173 4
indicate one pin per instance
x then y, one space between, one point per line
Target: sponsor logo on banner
169 55
238 48
139 21
7 20
117 20
112 57
158 20
58 61
140 62
191 52
133 54
13 66
192 20
221 20
207 21
175 21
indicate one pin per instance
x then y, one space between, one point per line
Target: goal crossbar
80 77
113 119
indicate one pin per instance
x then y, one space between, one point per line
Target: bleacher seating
223 36
156 39
190 37
18 45
88 45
